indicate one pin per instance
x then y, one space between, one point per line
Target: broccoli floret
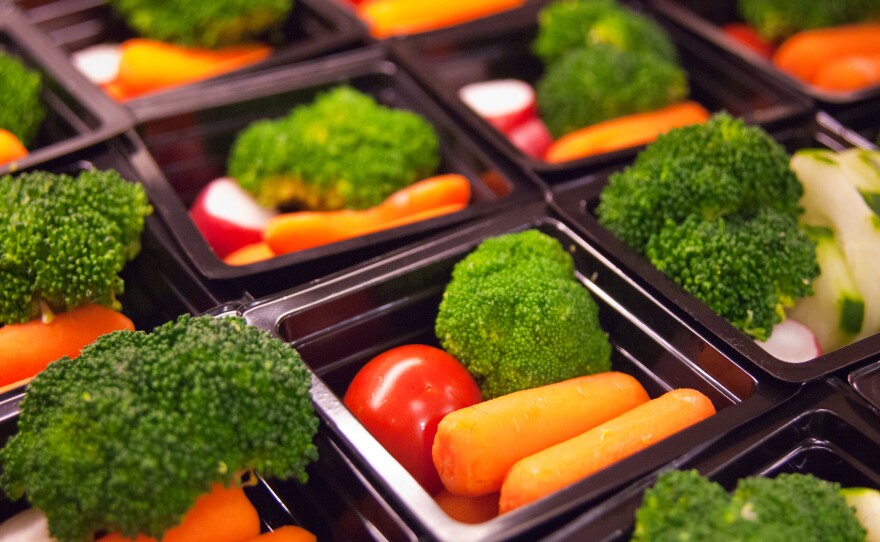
598 83
21 108
515 316
344 150
747 269
682 505
572 24
206 23
776 20
126 436
64 240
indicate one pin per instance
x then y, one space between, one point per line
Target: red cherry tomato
401 395
748 36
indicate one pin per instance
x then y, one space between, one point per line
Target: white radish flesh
99 63
792 341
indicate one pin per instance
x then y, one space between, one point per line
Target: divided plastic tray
313 29
866 381
188 147
76 114
444 61
825 431
577 201
706 19
342 322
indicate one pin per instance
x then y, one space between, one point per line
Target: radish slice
504 103
228 216
28 526
532 137
100 63
792 341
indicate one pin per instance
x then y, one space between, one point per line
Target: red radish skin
532 137
504 103
228 217
792 341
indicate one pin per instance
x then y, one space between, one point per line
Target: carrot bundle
394 17
572 460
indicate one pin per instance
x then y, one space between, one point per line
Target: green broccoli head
344 150
597 83
747 269
21 108
126 436
64 240
571 24
213 23
520 320
776 20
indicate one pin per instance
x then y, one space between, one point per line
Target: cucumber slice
866 501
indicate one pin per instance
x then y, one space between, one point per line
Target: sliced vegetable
249 254
228 216
28 348
28 526
288 533
10 147
626 131
475 447
395 17
804 54
504 103
99 63
866 501
792 341
468 509
849 73
577 458
531 137
749 37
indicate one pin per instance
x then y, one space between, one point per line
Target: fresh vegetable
10 147
775 20
565 25
839 190
249 254
792 341
572 460
703 196
204 23
402 394
29 347
344 150
516 317
228 217
804 54
475 447
99 63
221 515
683 505
849 73
388 18
598 83
126 436
625 131
531 137
21 107
27 526
746 35
64 241
288 533
468 509
504 103
147 66
429 198
866 502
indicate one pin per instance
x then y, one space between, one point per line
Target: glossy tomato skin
401 395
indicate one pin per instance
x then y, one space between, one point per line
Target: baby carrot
425 195
10 147
570 461
223 515
288 533
626 131
468 509
249 254
804 54
475 447
149 66
849 73
395 17
28 348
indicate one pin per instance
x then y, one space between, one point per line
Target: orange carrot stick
425 195
475 447
223 515
849 73
804 54
288 533
394 17
249 254
575 459
149 66
626 131
468 509
28 348
10 147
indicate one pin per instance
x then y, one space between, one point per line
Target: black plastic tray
706 17
347 319
825 431
444 61
313 29
77 115
577 201
866 381
188 148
